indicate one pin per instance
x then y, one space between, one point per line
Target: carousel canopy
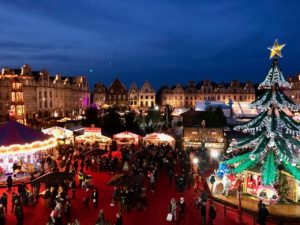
16 137
12 133
126 135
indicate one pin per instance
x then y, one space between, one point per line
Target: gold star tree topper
276 49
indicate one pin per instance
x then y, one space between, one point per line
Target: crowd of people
141 171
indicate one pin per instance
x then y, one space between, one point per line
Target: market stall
159 139
63 135
21 146
127 138
253 186
93 135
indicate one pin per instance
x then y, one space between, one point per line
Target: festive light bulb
252 157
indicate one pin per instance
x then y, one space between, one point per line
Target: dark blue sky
164 41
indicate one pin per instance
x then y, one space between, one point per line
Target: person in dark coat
212 213
203 213
67 211
181 208
14 200
119 219
263 212
2 216
19 214
4 202
259 204
9 182
95 198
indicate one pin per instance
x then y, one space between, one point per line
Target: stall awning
58 132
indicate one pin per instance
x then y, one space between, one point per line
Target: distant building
146 96
116 94
294 92
133 96
99 95
44 96
187 96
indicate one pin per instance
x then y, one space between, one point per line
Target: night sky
163 41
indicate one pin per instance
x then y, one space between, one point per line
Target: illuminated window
13 96
19 110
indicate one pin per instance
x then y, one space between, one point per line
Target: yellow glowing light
28 148
195 161
276 49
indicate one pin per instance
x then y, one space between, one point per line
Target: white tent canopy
159 138
58 132
92 135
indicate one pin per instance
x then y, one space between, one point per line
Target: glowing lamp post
195 162
213 155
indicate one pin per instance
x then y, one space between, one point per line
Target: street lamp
214 154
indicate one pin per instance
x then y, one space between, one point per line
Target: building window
45 94
142 97
13 96
19 110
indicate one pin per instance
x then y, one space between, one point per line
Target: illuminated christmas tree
271 141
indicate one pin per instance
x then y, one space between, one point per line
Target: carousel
127 138
159 139
63 135
94 135
21 147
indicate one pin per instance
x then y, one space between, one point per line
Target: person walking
152 182
80 178
9 182
226 185
181 208
212 180
4 202
95 198
212 213
67 211
2 216
19 214
14 200
203 213
119 219
173 209
101 219
263 212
